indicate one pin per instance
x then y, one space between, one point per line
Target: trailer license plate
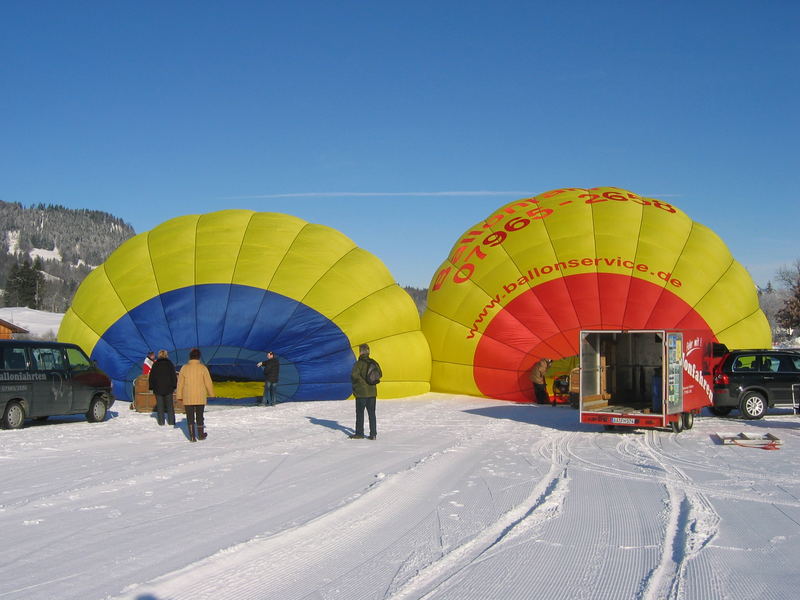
623 420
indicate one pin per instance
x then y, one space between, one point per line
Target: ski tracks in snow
690 524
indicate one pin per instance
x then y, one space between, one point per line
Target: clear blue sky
403 123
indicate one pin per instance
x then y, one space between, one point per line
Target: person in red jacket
148 362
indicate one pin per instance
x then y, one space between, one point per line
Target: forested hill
67 243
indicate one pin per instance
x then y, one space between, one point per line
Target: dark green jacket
361 389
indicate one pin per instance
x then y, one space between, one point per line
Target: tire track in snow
692 523
542 504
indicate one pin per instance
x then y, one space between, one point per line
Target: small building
7 330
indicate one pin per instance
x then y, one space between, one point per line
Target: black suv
755 380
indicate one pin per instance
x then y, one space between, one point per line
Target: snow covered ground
459 498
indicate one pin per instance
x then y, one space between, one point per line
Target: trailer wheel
688 420
677 425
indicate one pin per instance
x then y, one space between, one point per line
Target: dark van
43 379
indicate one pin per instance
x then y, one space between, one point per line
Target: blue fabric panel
300 346
243 306
323 391
126 341
179 307
212 306
273 312
151 321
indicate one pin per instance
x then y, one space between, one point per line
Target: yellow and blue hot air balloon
520 285
238 283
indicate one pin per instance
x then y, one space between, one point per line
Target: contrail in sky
518 193
360 194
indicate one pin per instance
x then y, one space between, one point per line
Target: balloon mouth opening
234 371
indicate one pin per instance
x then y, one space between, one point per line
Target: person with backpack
271 368
365 376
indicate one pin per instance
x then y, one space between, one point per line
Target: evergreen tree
12 286
24 285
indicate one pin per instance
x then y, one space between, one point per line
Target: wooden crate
145 401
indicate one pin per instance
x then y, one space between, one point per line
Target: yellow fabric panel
730 299
96 302
452 378
616 226
75 331
571 230
172 252
385 313
315 250
130 273
218 244
402 389
448 340
704 260
661 241
464 302
266 242
356 276
238 389
751 332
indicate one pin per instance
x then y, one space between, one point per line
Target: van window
48 359
14 358
77 360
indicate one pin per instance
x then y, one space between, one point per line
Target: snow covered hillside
459 498
39 323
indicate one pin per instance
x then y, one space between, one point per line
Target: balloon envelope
237 284
520 285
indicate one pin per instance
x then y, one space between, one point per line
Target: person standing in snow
163 382
271 368
194 388
365 392
537 377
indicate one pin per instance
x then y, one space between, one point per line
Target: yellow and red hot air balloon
520 285
237 283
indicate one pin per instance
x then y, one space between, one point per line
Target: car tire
13 416
720 411
688 420
677 424
753 405
97 410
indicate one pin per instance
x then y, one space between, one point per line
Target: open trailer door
643 378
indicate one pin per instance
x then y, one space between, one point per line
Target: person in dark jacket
272 367
163 381
365 393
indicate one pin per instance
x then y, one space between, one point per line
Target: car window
789 364
14 358
769 364
48 359
744 362
77 360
